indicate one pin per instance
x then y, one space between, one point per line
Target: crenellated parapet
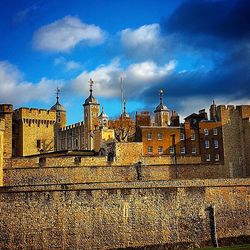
72 126
35 116
38 114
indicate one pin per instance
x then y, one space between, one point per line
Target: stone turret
91 112
6 113
60 118
103 119
162 118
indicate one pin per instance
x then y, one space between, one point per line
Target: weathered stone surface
123 215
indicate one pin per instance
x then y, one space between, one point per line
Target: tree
124 128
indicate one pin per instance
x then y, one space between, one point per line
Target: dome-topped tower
162 113
91 112
58 107
60 117
103 119
91 99
60 111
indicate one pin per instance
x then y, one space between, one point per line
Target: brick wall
110 216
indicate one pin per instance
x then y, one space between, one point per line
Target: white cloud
13 89
143 43
64 34
69 65
137 77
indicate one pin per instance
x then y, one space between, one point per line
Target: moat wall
122 215
109 173
68 169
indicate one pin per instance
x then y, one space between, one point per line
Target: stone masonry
165 215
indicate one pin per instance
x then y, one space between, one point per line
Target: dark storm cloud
223 19
211 28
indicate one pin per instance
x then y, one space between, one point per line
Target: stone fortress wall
135 201
34 130
173 215
236 138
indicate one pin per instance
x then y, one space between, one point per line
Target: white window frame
182 136
150 150
159 136
208 157
217 157
216 144
207 144
183 150
192 137
149 136
171 150
215 131
194 150
160 152
206 131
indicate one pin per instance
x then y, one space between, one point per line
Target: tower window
159 136
217 157
192 137
193 150
216 144
183 150
171 149
206 132
149 136
215 131
208 157
150 149
207 145
182 137
160 150
38 143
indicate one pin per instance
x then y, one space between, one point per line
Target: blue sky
196 51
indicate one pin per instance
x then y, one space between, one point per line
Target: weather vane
91 82
57 93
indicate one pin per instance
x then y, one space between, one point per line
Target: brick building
196 136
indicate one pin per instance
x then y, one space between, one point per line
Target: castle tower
213 112
6 113
91 112
162 113
60 118
103 119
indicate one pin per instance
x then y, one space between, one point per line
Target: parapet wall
60 170
36 114
167 215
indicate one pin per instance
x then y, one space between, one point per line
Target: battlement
35 114
72 126
6 108
242 110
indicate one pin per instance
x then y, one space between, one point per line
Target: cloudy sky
195 50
